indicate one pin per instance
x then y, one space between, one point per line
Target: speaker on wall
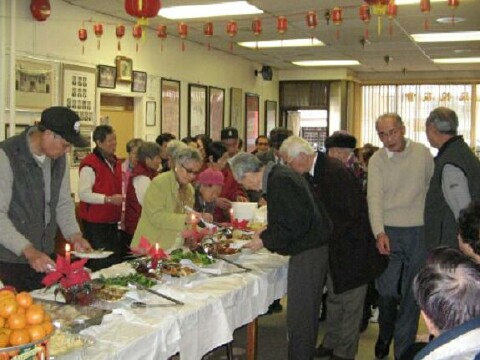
266 72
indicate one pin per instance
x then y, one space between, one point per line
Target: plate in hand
95 254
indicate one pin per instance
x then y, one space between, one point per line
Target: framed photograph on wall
252 103
170 95
151 113
270 115
139 83
197 109
107 76
216 112
236 108
34 81
78 90
124 68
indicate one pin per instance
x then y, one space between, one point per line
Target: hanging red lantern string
208 32
82 36
453 4
282 25
365 16
392 14
337 18
312 22
40 9
162 34
98 30
183 32
425 8
257 28
143 9
119 33
231 29
137 33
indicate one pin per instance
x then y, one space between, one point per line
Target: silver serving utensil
141 304
141 287
233 263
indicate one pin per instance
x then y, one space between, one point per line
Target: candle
155 256
231 216
194 223
67 252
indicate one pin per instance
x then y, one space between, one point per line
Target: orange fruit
24 299
19 337
3 340
37 332
47 317
48 327
2 322
4 356
21 310
8 306
6 293
17 321
35 314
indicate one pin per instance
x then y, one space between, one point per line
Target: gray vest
27 206
440 224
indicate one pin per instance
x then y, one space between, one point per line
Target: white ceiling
405 54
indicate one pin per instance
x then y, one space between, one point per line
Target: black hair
216 149
101 131
165 137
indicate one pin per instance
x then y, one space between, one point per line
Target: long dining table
214 306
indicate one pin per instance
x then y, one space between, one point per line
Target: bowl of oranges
24 325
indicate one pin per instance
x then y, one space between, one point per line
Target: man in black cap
277 136
229 137
35 197
341 145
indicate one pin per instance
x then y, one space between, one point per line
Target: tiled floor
272 343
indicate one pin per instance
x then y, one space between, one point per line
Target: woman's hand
223 203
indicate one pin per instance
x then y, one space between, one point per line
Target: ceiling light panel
326 62
447 37
209 10
282 43
464 60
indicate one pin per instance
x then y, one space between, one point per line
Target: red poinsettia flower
67 274
198 234
146 248
241 225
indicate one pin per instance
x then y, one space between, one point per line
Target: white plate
92 255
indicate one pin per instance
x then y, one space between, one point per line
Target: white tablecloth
214 308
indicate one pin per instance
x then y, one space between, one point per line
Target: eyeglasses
389 133
64 142
190 171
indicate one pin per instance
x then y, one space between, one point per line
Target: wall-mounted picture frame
216 112
79 90
252 104
236 109
270 115
18 129
139 83
197 109
170 95
106 76
151 113
34 82
124 68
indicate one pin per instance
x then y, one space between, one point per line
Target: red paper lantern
425 8
208 31
282 24
257 27
365 16
231 28
82 36
162 34
40 9
119 33
311 19
183 32
392 9
98 30
453 4
337 18
143 9
137 32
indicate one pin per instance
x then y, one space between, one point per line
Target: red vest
133 209
107 182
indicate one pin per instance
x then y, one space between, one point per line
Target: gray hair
444 119
294 146
173 146
187 153
244 163
148 150
447 288
133 143
394 116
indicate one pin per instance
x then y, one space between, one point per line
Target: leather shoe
381 348
322 352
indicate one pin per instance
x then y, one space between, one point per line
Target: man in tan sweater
398 178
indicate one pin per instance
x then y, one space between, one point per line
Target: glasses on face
64 142
263 144
190 171
388 133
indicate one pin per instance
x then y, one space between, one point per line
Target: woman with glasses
163 213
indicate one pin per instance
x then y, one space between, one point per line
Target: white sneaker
374 317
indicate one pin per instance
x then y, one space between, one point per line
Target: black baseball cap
229 133
64 122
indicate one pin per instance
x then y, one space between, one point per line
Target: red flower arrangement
240 224
197 235
145 248
67 274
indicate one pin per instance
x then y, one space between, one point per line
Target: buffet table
214 307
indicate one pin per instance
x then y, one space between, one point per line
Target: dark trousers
125 242
306 276
103 236
398 312
21 276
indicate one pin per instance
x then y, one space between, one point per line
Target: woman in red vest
148 163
